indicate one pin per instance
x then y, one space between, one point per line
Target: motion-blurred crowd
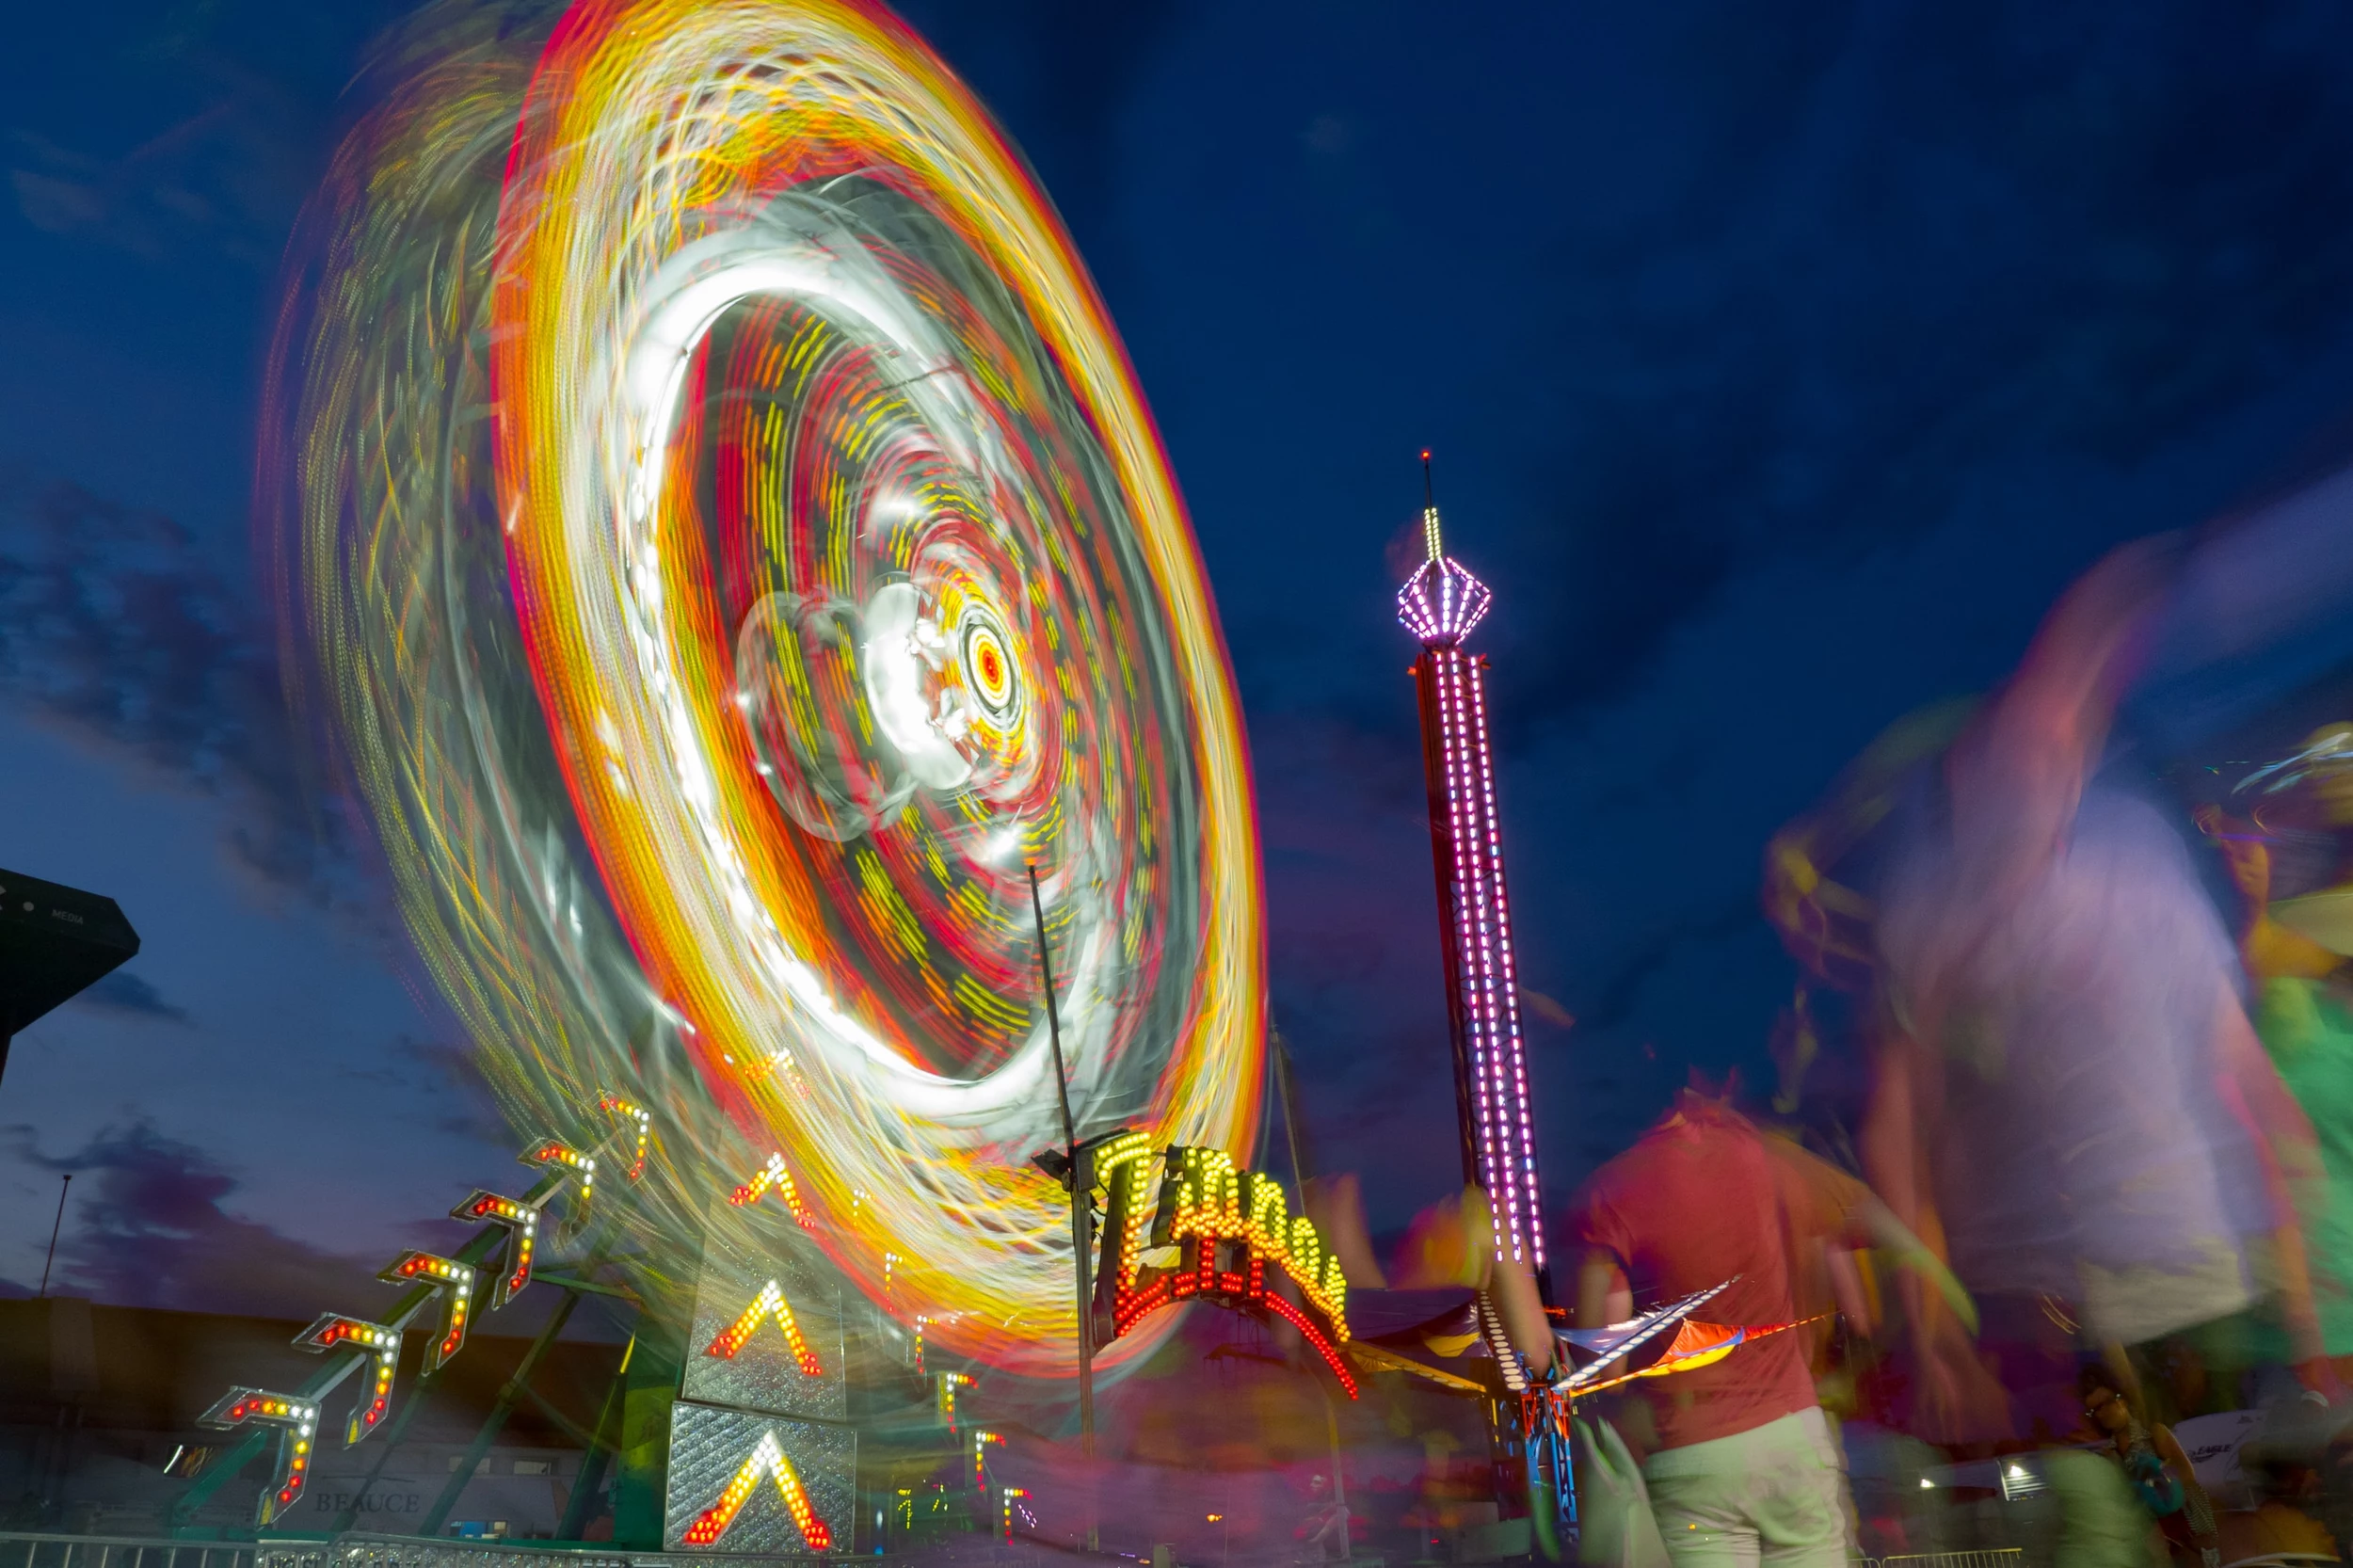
2083 1239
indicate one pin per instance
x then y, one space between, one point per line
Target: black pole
422 1387
592 1466
63 1187
1082 1179
1053 1017
389 1440
503 1407
1281 1056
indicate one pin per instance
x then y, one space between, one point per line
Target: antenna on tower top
1429 508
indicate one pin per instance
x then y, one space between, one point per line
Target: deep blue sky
1782 363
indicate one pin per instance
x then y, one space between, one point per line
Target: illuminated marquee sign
1238 1244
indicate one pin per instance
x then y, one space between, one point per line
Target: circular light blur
817 583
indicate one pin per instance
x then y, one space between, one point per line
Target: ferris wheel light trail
726 545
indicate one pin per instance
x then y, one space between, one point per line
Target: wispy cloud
147 1225
202 184
234 120
130 995
117 629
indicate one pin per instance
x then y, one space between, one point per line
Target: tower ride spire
1439 604
1429 510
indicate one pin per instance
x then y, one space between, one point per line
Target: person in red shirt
1742 1466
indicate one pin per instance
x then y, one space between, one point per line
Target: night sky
1782 363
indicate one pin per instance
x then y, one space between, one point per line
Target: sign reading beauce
523 1491
368 1503
1235 1240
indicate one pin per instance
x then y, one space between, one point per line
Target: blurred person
2162 1478
2293 942
2067 1094
2284 1465
1740 1462
1324 1533
2101 1523
2287 837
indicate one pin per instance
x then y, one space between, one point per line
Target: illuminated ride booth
1187 1224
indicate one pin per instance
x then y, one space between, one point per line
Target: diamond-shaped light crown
1442 602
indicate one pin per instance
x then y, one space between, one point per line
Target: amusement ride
727 550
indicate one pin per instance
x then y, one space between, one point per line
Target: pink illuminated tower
1439 604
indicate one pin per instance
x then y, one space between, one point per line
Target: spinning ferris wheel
731 553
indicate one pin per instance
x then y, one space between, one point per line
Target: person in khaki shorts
1742 1465
1774 1494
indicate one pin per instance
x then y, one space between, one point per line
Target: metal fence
2005 1557
412 1551
23 1550
19 1549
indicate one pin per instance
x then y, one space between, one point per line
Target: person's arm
1846 1289
2018 773
2016 776
1890 1141
1602 1294
2199 1508
1827 1204
1892 1236
1958 1397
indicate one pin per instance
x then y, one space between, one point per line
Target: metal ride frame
510 1232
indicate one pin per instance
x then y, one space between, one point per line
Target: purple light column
1440 604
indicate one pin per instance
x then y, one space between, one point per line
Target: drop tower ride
1439 604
